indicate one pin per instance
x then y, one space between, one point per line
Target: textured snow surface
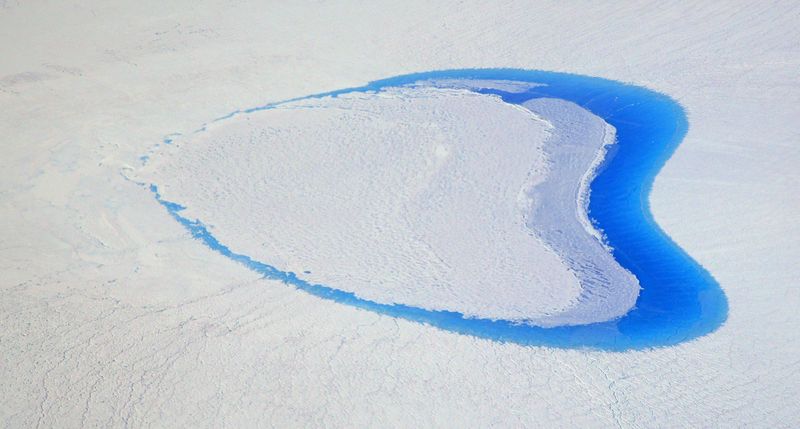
113 316
439 199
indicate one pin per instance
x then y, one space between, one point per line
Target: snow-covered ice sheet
113 315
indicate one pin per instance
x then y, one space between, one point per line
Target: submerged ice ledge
557 212
654 320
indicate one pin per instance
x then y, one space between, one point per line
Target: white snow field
412 196
112 315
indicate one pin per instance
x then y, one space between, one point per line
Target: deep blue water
679 300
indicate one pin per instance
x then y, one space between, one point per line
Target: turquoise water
679 300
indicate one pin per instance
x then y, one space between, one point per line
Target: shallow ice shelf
431 196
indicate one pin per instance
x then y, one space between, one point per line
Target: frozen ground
112 315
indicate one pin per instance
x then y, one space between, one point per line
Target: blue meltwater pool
679 300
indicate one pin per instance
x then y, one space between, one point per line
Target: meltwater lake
679 299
